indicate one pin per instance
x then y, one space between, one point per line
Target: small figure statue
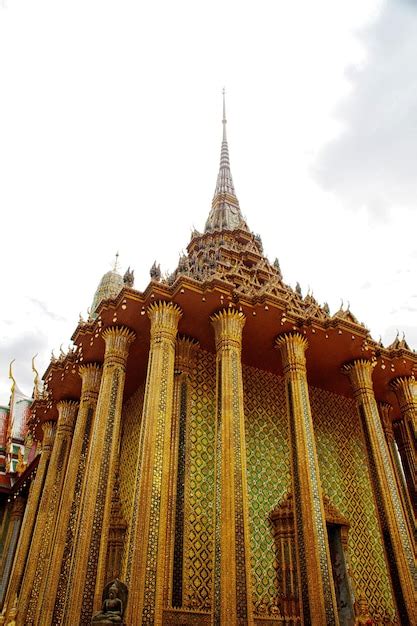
155 271
129 277
298 289
114 604
277 267
11 620
363 617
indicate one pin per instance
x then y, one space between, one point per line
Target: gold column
406 391
174 575
55 583
397 542
317 597
41 546
147 546
30 516
10 543
89 562
232 567
385 410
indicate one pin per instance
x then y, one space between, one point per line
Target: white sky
110 131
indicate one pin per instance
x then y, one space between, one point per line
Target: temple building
217 449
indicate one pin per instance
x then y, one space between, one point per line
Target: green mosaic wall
199 485
268 473
345 479
131 420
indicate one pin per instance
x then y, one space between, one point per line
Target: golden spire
116 263
225 211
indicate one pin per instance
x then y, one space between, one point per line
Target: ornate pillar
232 569
406 391
30 515
385 410
174 575
89 561
147 548
10 543
317 597
399 552
55 583
41 546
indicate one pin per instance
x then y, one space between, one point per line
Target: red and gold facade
227 449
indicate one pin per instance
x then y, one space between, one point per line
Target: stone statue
114 604
129 277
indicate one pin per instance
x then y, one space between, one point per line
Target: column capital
360 375
67 413
228 326
292 347
118 340
185 349
91 376
385 411
164 318
405 388
48 429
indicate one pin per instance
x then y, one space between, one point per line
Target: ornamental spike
11 377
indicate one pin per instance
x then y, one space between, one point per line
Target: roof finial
116 263
36 381
224 120
12 378
225 212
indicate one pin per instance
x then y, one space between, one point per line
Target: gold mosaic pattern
268 473
199 485
131 421
345 479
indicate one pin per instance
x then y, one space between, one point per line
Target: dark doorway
340 577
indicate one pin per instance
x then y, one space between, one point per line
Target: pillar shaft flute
41 545
396 538
12 537
174 576
86 578
30 515
385 410
406 391
232 574
55 587
317 596
147 545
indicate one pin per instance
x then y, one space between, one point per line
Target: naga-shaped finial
11 377
36 381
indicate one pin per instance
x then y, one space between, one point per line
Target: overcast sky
110 131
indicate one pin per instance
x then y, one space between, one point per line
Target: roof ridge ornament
225 210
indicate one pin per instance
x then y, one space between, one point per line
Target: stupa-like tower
222 447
